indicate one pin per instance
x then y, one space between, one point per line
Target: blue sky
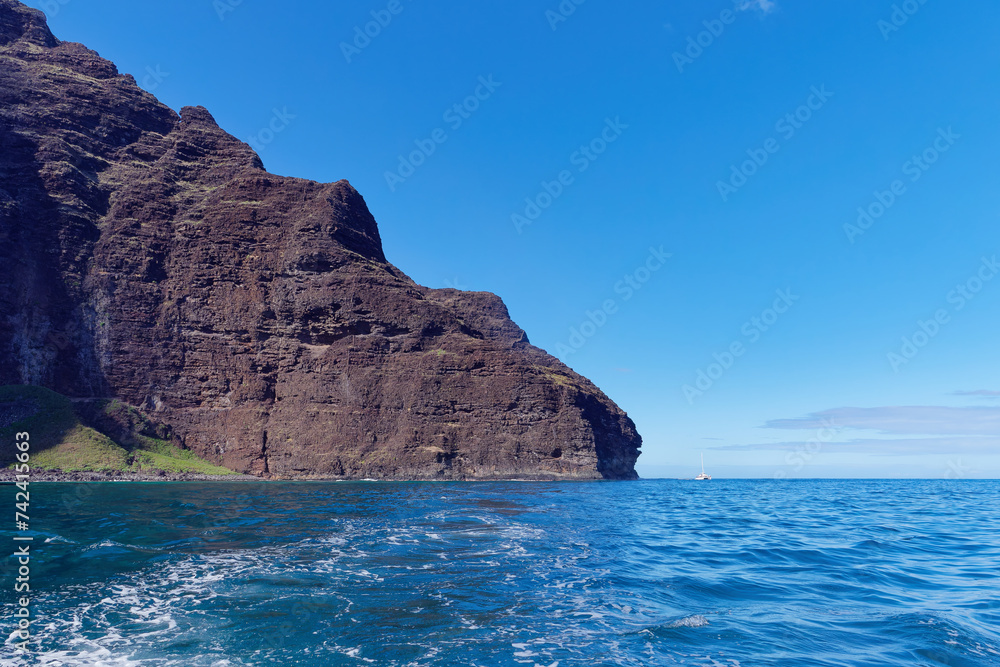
739 139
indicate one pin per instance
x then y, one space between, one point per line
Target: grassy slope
60 441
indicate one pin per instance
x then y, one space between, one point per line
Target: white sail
702 475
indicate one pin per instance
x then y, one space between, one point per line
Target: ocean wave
624 575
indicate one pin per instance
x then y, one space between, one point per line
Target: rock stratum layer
149 257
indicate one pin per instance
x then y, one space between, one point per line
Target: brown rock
150 257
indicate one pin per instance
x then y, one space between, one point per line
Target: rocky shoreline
10 477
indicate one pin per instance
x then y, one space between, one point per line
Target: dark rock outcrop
150 257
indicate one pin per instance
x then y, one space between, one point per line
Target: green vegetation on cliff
90 436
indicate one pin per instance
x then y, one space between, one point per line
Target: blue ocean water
658 572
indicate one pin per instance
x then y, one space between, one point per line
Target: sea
653 572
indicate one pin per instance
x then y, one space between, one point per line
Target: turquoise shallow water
641 573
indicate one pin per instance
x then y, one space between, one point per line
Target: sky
767 229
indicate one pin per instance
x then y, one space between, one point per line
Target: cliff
148 257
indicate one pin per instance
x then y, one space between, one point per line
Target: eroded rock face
150 257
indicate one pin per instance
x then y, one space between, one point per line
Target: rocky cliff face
149 257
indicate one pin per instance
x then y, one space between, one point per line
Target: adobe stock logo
959 297
626 287
455 116
153 78
788 125
280 120
752 329
915 168
562 13
52 7
223 7
900 16
581 158
363 36
696 45
805 452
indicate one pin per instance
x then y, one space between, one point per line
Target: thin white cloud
979 392
923 430
765 6
890 447
903 420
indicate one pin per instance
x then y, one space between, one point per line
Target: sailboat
702 475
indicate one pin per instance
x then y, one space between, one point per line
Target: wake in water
646 573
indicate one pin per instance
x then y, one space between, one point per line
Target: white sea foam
567 593
696 621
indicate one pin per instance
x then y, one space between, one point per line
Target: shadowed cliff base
255 316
